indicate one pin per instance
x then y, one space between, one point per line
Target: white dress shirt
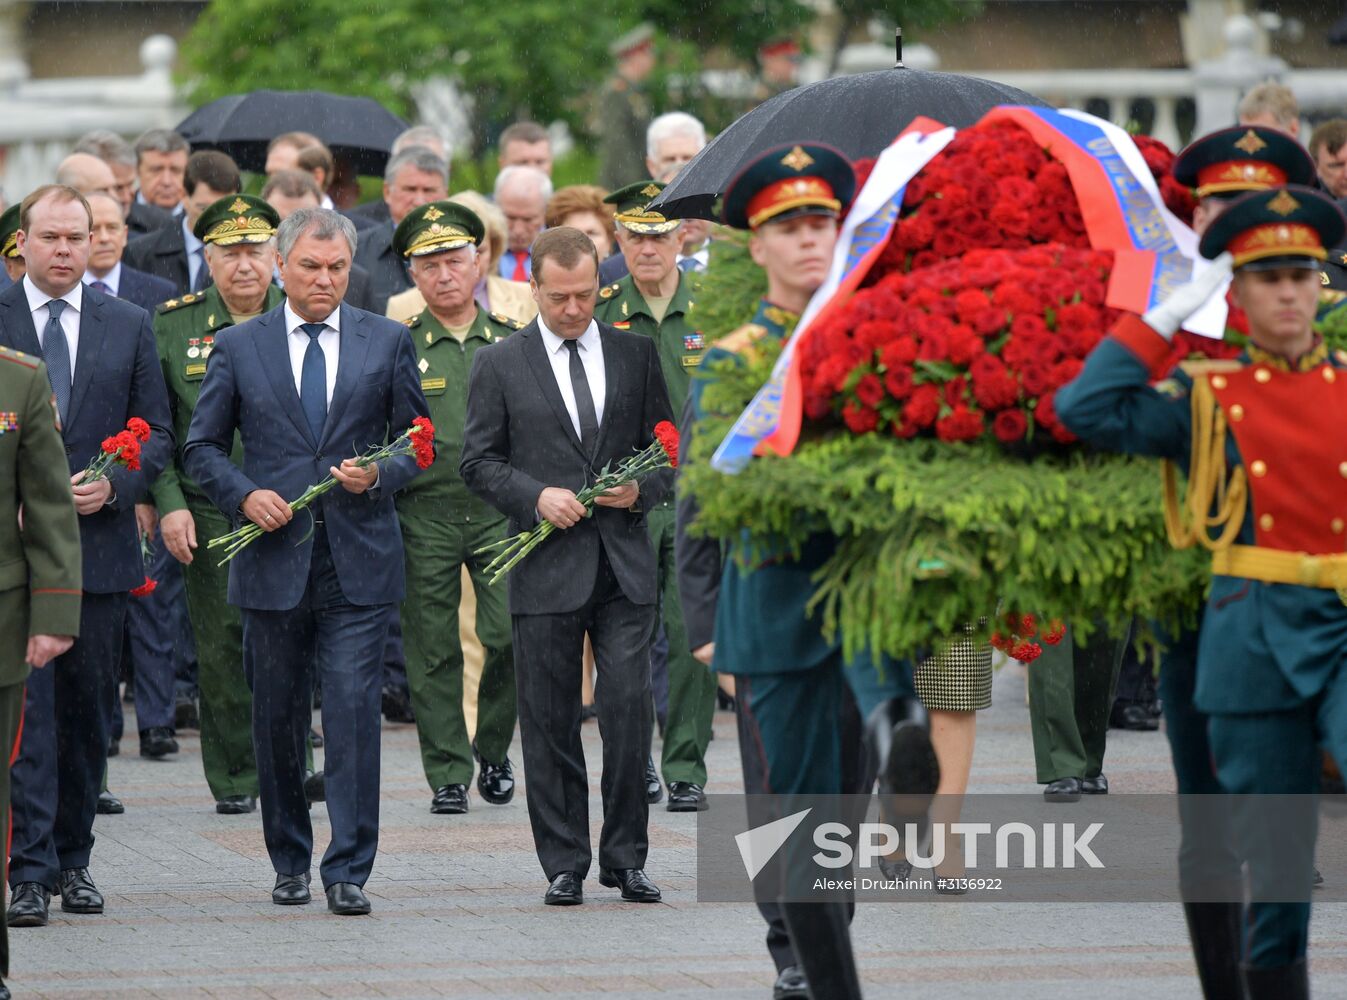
113 279
298 342
70 318
196 253
591 356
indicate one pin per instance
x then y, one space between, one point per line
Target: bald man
87 174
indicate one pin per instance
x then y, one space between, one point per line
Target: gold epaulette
171 304
504 320
18 357
609 291
411 321
741 339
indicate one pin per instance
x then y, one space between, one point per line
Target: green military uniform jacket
185 330
624 115
40 568
676 337
445 364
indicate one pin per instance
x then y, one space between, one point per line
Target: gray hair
320 223
108 146
160 140
519 172
422 135
668 125
421 158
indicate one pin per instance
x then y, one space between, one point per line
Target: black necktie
56 352
313 381
584 401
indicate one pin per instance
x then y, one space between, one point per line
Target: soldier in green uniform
655 299
444 524
800 704
42 576
1259 441
9 243
239 233
624 108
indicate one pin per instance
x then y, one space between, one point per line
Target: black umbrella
860 115
358 129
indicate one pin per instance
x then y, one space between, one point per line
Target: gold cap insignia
1250 143
432 213
1283 204
239 205
797 159
650 190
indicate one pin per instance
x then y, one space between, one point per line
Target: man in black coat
415 177
547 407
174 253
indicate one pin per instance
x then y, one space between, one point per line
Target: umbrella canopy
358 129
860 115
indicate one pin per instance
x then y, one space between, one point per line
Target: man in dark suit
414 177
103 369
174 252
547 407
375 213
106 272
307 386
116 152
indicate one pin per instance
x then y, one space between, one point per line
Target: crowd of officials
269 340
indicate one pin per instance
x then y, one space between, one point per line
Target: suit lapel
92 331
18 321
274 351
352 347
612 362
535 349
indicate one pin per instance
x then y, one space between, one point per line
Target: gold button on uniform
1262 375
1259 468
1329 374
1342 469
1337 525
1236 413
1218 382
1265 522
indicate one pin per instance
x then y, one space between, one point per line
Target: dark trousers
344 642
548 651
158 635
1070 695
1136 680
11 712
59 770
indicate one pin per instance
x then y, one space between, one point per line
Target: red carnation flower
1055 634
1026 652
899 381
667 436
139 428
870 391
145 588
922 407
902 351
423 442
860 419
961 424
1010 425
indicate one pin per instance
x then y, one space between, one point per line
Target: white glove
1166 318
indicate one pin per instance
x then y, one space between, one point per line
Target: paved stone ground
457 906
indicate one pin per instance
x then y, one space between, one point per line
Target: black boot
1289 982
1214 930
823 945
898 744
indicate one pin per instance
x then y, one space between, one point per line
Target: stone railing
42 119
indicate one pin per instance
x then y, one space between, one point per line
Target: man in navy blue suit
107 273
307 386
104 370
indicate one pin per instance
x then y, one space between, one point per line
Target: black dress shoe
587 712
1098 785
635 886
495 782
4 991
1063 790
28 905
790 984
315 739
450 800
185 713
686 797
291 890
235 805
114 747
397 704
346 899
565 890
1136 717
315 787
109 804
78 892
157 742
654 788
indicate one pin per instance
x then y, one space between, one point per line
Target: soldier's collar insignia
1283 204
797 159
1250 143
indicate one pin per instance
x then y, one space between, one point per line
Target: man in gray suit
547 407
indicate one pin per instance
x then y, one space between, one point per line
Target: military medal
193 350
9 421
208 346
693 341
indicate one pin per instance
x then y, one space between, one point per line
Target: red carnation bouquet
985 302
123 449
418 440
146 551
662 453
1016 634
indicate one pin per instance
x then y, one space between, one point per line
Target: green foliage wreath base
936 535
